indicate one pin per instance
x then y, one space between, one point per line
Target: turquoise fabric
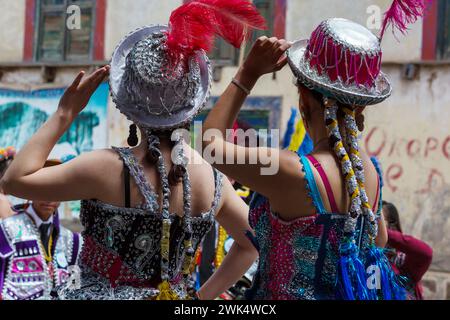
312 186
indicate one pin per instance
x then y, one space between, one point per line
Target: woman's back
107 172
294 194
299 256
123 250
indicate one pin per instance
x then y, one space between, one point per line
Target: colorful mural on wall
22 113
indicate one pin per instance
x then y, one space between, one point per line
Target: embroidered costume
121 257
160 79
28 271
299 259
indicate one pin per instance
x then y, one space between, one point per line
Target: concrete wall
12 26
123 17
410 134
305 15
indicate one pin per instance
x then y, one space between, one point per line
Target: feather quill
194 25
401 14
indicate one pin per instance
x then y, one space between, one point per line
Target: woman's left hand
78 94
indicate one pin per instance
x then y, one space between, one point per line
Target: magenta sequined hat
341 60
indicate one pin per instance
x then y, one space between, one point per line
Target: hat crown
150 62
346 52
155 84
352 35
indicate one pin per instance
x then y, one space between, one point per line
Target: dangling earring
133 138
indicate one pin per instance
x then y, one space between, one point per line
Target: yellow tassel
166 292
220 253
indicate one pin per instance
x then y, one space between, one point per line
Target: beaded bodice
123 245
298 260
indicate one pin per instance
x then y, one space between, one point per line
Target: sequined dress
121 256
298 259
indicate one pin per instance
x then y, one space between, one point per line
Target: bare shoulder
368 164
95 163
100 158
290 165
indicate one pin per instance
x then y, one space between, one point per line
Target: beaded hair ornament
161 78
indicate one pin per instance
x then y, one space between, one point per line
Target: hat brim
121 100
348 94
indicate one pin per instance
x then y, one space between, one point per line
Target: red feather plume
402 13
194 25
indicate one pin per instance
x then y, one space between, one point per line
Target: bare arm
26 177
251 165
233 216
5 207
382 237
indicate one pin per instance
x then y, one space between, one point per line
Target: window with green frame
443 42
226 54
55 41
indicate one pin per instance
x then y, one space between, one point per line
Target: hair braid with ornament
351 130
337 143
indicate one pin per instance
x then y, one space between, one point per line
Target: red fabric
329 190
418 257
326 183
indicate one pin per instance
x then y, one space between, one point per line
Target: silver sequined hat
150 91
341 60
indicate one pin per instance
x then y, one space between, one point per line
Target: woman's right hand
266 56
78 94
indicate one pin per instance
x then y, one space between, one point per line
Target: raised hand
266 56
78 94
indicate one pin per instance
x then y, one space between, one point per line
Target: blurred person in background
6 156
409 256
36 251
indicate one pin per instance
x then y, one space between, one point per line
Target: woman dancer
317 220
141 233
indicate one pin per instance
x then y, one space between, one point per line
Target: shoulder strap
312 186
325 181
136 171
379 198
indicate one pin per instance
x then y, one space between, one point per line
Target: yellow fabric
298 136
220 251
244 192
48 250
166 292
